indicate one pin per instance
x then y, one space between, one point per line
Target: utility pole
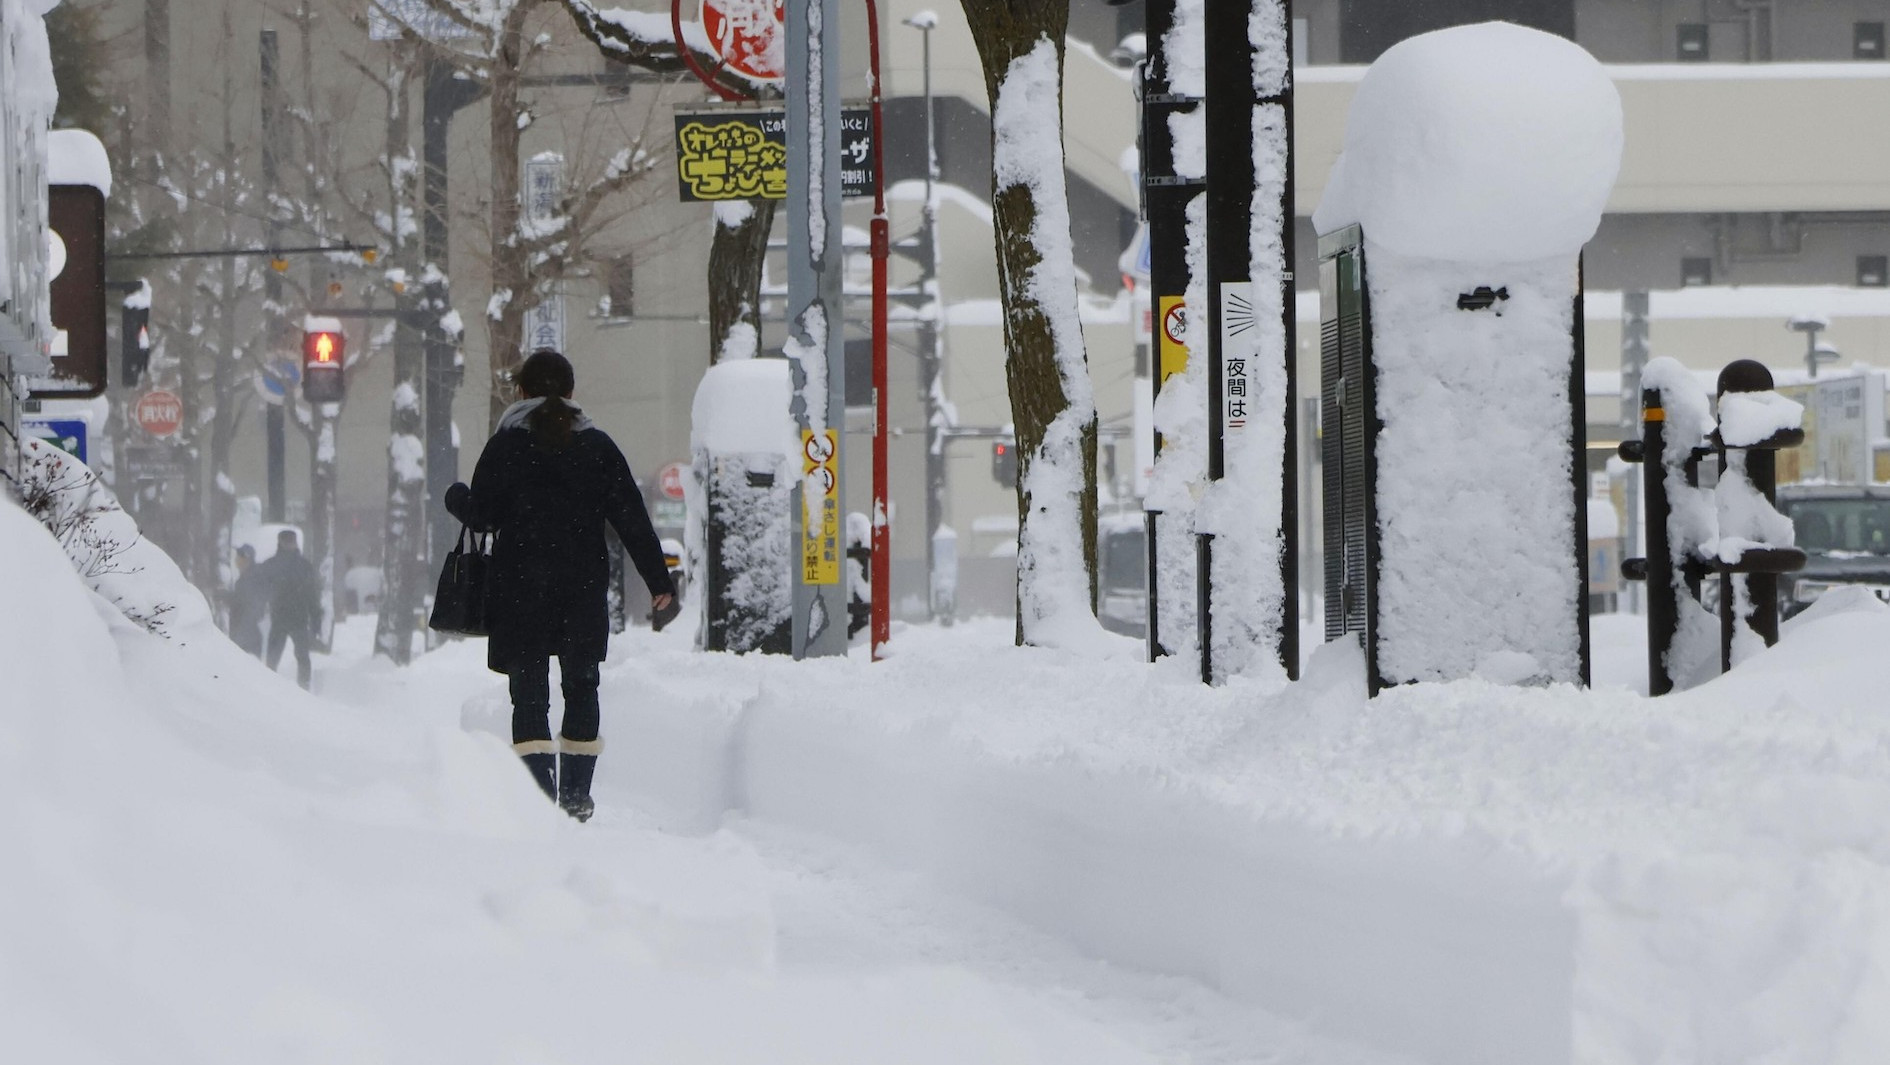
444 95
816 320
274 415
940 599
1249 112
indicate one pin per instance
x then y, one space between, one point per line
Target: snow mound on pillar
1483 143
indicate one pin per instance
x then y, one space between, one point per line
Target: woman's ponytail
547 375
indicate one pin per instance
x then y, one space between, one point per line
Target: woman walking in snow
547 483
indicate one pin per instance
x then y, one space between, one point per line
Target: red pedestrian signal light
1004 463
324 354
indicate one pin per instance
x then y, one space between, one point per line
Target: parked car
1845 531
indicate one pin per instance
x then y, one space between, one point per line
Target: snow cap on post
75 157
741 408
1483 143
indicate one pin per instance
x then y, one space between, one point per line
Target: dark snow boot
541 763
577 763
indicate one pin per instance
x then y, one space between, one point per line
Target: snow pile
1748 418
75 157
103 543
205 865
1489 143
1451 872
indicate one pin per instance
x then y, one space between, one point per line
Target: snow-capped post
1477 163
815 316
1681 519
1171 179
1756 543
746 455
1247 524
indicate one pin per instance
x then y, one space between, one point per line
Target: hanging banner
741 154
820 514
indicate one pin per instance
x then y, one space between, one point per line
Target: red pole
882 251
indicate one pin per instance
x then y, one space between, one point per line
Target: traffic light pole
443 96
274 421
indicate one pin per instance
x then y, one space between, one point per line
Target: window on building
1873 271
1867 40
616 79
1696 271
620 287
1692 42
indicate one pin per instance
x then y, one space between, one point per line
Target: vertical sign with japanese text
1238 334
544 188
820 547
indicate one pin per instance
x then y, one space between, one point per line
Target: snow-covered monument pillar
1477 163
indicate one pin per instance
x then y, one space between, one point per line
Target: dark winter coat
550 570
295 591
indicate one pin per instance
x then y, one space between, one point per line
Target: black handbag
459 605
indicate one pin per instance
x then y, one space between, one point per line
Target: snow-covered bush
103 542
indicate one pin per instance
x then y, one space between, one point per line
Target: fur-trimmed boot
542 762
577 763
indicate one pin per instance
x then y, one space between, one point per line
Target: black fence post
1760 566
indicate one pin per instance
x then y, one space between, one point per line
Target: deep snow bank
204 864
1460 872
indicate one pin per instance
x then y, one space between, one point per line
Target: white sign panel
1239 334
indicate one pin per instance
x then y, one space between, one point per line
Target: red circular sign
670 481
159 413
749 36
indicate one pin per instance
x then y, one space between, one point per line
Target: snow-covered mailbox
1476 165
744 451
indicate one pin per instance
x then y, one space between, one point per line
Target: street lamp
1816 352
941 593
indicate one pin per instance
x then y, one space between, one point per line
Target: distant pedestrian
249 602
547 483
295 604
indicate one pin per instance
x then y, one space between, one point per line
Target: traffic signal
324 353
1004 462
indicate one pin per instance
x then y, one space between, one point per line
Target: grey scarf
515 415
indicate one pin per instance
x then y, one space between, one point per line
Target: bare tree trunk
404 552
511 280
736 255
1045 387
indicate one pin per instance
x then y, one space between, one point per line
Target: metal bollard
1759 566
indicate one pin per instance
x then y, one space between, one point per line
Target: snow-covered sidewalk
968 852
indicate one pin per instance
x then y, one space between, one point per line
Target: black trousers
280 634
531 699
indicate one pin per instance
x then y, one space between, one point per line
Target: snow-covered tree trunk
736 254
511 277
1052 403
